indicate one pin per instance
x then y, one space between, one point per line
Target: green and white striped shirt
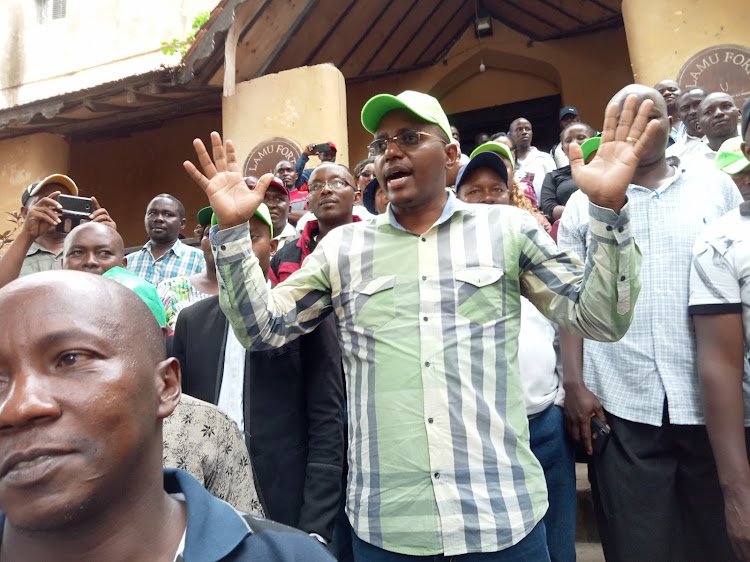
439 456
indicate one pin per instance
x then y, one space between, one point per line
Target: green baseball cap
497 147
142 288
204 216
589 146
730 158
422 105
263 213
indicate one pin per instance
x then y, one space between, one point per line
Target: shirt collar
37 247
452 205
214 528
177 248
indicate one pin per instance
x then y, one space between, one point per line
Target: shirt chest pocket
480 293
374 302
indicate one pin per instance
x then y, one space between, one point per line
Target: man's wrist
615 205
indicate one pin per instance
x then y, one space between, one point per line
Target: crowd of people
401 361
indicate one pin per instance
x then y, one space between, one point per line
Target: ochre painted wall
586 71
24 160
306 105
678 29
125 173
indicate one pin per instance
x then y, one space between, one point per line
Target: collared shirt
217 531
179 260
288 233
201 439
535 167
439 456
38 258
720 276
693 152
656 358
178 293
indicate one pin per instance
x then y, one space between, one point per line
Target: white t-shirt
538 164
539 360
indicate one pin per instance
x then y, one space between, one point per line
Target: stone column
274 117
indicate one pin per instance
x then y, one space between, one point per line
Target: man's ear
451 154
274 246
169 386
745 148
183 223
24 211
124 262
358 197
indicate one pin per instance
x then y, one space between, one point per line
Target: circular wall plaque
265 155
723 68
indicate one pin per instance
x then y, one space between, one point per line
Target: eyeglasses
336 184
405 141
366 174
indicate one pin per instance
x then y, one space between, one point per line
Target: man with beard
164 256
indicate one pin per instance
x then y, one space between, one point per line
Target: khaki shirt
39 258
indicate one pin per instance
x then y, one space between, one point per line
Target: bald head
82 298
86 382
655 149
521 133
93 247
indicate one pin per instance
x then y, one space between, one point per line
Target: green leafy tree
182 46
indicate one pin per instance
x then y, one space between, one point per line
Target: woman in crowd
364 172
558 185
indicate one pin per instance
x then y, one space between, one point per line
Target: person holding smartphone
39 244
326 152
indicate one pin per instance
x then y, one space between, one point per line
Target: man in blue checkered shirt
655 485
164 256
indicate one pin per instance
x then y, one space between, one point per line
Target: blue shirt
216 531
179 260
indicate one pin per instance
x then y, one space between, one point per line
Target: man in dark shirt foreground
82 399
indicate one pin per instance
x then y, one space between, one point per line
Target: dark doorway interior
541 112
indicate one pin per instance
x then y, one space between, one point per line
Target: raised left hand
605 179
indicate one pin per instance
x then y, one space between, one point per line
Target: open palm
231 199
605 179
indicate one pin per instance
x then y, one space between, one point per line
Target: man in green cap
427 301
731 160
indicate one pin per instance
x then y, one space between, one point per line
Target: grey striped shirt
439 456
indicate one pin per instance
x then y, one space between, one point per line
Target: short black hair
589 129
180 206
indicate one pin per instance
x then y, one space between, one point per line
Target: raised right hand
43 216
232 201
580 406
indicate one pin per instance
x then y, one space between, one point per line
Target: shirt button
437 476
609 228
424 239
429 420
223 247
214 248
425 318
424 278
426 363
621 229
622 278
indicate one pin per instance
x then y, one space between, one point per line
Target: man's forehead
162 203
283 165
717 97
330 170
398 120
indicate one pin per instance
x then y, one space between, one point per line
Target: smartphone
325 147
599 435
75 210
